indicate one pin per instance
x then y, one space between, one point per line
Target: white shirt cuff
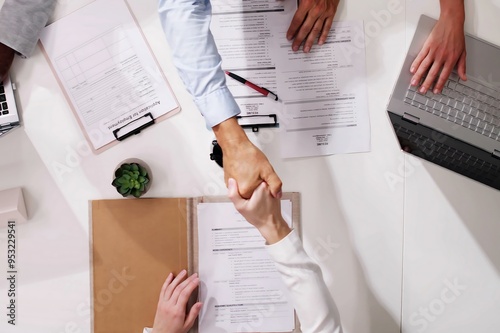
286 249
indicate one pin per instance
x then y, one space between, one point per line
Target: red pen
262 90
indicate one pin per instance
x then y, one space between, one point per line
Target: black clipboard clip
134 127
258 121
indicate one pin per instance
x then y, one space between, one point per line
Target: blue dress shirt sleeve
186 24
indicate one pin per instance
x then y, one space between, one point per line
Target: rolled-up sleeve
187 29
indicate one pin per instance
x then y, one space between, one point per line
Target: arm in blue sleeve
186 24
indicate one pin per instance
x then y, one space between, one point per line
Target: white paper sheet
240 288
243 32
106 69
324 94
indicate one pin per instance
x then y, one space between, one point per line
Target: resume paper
324 94
243 32
240 288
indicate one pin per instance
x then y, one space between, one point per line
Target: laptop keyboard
449 157
478 110
4 108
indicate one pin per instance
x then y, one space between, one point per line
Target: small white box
12 207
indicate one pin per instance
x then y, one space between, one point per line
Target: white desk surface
388 251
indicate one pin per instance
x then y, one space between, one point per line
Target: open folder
135 244
107 72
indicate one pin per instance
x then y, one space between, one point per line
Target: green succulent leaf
115 182
126 194
118 172
142 188
134 167
146 180
136 193
143 171
123 190
126 176
125 166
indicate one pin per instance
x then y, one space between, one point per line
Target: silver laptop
458 129
9 117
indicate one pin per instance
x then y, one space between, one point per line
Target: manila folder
135 244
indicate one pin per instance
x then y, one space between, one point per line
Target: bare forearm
6 58
229 134
274 230
453 9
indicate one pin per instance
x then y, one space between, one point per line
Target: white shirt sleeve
186 24
147 330
312 301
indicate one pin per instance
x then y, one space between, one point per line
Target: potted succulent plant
132 178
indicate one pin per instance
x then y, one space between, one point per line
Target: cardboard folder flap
135 244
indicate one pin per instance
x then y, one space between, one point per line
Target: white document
106 69
243 32
324 94
240 288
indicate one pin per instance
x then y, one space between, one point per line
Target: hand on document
6 58
444 48
243 161
262 210
312 19
171 312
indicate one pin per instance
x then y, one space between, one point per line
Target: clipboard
134 245
258 121
140 116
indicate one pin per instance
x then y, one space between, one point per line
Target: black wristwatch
216 154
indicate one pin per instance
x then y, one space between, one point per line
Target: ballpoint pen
262 90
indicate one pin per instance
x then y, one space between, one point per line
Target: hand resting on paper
313 19
262 210
171 314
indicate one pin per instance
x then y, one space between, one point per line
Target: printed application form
243 32
240 288
106 69
324 94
